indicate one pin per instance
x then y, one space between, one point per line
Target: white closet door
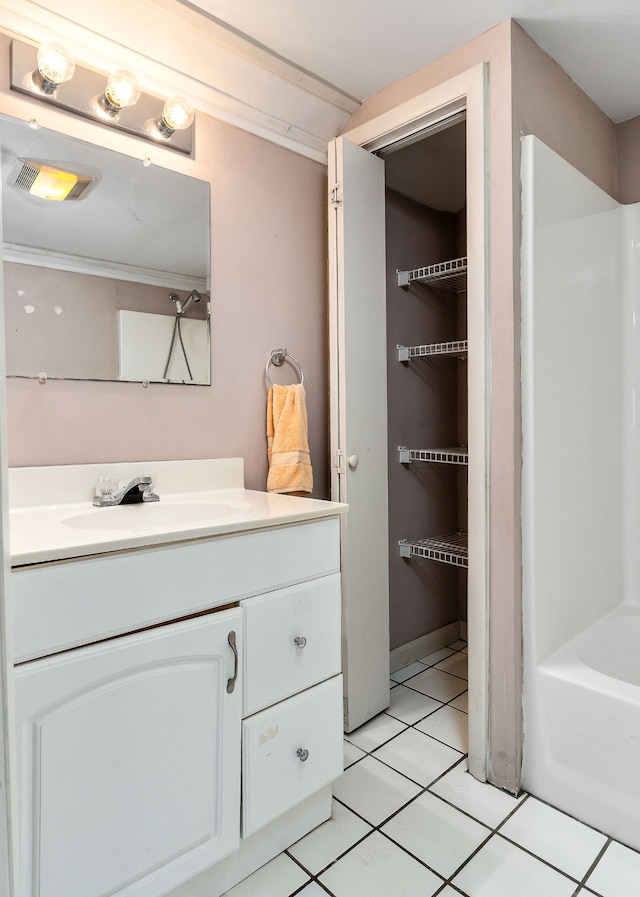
359 420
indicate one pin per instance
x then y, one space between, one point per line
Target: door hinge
338 461
336 195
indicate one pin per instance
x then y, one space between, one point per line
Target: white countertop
61 530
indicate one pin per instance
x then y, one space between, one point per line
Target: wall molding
75 264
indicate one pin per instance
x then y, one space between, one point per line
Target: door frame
466 92
8 783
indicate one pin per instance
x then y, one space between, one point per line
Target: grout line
539 858
575 818
470 857
355 812
422 718
406 726
509 815
415 782
445 743
306 885
344 852
595 862
453 698
413 856
535 855
428 666
314 878
450 884
495 831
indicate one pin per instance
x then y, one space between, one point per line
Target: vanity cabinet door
122 748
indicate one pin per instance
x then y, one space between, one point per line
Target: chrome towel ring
278 357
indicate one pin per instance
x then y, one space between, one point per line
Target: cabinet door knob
299 641
303 754
231 683
352 461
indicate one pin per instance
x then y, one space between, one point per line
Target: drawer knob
302 754
299 641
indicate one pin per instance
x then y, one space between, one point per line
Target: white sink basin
155 515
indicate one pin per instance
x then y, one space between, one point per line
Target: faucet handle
147 486
106 488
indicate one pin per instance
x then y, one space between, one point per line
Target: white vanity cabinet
135 724
130 757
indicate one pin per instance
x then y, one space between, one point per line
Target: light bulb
177 115
122 89
55 66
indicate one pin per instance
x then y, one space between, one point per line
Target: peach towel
287 441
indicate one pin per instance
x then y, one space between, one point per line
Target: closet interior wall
427 397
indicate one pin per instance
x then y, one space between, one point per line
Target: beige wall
268 290
547 103
628 157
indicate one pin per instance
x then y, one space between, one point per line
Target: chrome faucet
138 490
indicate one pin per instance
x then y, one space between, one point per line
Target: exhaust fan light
48 182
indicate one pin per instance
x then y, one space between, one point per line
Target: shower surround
581 464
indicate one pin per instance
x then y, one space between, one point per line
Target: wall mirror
111 283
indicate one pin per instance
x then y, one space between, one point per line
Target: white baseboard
420 647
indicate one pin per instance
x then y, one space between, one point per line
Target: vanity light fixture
50 74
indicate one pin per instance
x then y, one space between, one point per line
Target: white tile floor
409 821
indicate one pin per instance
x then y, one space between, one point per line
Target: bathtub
583 715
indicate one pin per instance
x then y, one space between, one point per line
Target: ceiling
294 71
360 47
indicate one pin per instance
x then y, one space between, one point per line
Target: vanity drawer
274 777
63 605
293 641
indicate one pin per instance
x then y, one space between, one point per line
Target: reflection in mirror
102 285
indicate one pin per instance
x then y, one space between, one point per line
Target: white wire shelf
449 549
451 274
458 349
457 455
